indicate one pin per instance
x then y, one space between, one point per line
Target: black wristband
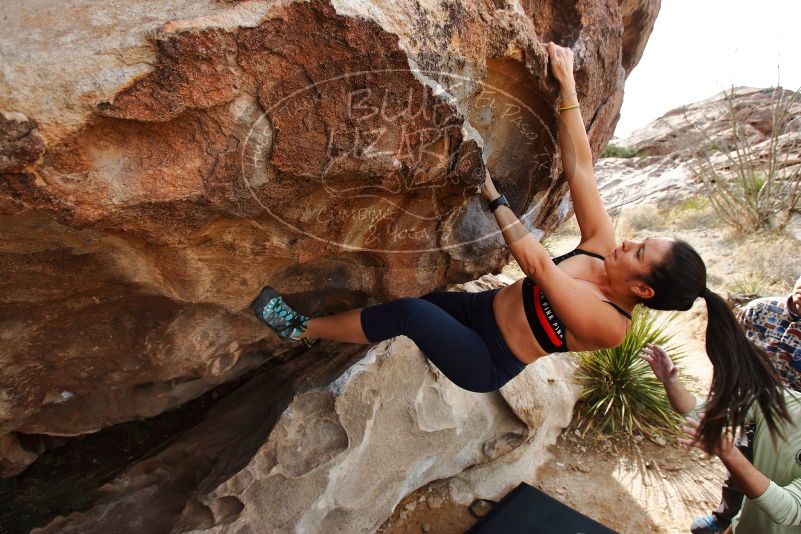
500 201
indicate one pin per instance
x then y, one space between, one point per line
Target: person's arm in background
781 504
681 400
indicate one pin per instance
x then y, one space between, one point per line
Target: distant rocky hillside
660 173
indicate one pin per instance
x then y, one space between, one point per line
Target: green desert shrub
752 185
693 213
619 391
695 203
616 151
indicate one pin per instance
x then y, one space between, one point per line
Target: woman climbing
579 301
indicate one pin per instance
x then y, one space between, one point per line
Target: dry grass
766 264
638 218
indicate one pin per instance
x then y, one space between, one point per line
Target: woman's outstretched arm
587 316
595 223
597 231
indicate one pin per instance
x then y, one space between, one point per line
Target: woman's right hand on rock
660 363
561 60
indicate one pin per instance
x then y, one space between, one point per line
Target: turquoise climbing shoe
706 524
271 309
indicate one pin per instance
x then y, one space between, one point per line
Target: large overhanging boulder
160 162
341 455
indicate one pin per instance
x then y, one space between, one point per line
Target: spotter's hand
660 363
691 429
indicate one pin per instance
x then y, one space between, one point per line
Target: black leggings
455 330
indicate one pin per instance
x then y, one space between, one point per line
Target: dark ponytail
743 373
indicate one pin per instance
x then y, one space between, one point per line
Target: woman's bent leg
345 327
458 304
458 351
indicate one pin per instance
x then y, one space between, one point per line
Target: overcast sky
700 47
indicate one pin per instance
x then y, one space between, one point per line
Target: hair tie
705 293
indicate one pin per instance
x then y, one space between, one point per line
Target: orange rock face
159 165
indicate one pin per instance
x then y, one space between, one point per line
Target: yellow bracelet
568 107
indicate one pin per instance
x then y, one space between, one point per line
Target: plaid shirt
769 324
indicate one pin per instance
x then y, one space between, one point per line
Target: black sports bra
546 326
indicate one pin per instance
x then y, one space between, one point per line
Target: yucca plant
620 392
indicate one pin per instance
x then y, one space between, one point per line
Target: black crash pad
527 510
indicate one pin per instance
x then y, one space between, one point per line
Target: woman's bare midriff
510 316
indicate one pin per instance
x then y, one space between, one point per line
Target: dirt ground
634 486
